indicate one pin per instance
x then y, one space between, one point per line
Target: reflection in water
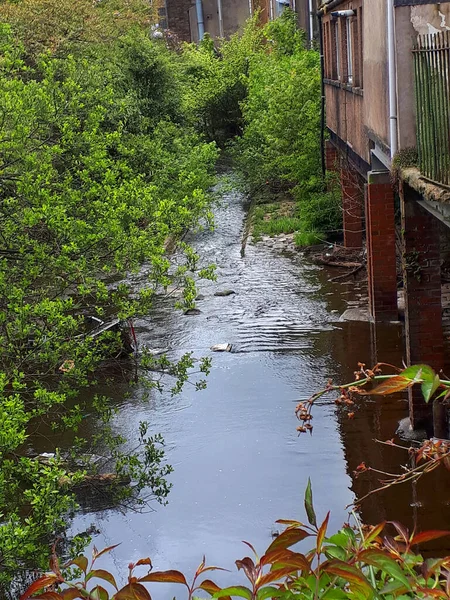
239 464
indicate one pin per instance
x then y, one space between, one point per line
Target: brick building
386 80
189 19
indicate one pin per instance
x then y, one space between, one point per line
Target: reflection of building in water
425 505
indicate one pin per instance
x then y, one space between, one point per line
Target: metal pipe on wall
220 13
200 22
393 126
311 22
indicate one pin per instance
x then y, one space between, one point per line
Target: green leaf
429 387
309 505
269 592
385 563
99 593
238 590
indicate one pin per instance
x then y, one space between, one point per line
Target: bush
320 212
98 172
216 81
281 139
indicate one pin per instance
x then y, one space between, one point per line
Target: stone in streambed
224 293
192 311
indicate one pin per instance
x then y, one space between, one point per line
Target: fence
432 68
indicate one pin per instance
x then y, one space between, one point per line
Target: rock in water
192 311
355 314
224 293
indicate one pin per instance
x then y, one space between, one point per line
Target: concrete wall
375 69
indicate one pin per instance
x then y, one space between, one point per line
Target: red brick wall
352 207
178 18
381 254
422 280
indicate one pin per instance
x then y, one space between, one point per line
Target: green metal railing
432 69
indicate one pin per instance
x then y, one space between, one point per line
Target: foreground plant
356 562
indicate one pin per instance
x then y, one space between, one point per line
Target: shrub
281 139
98 172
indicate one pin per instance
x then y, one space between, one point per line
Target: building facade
190 19
386 81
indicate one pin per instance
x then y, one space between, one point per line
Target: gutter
219 10
327 6
322 102
200 22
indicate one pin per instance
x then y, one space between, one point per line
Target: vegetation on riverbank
100 166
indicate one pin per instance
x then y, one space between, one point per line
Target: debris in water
221 348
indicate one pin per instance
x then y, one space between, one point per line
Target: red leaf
144 561
348 573
290 523
165 577
102 574
392 385
211 587
48 596
72 594
39 584
321 533
402 530
427 536
374 533
288 538
132 591
275 575
248 567
251 547
105 550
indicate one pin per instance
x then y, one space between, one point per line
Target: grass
310 216
303 239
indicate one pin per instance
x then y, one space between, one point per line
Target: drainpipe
322 103
393 127
311 23
219 11
200 22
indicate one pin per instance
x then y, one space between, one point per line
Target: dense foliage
99 169
360 563
265 86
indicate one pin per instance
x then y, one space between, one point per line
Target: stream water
238 462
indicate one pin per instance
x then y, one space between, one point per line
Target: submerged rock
355 314
408 434
224 293
192 311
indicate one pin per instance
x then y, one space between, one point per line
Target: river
238 462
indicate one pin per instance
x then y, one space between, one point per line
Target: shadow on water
239 464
